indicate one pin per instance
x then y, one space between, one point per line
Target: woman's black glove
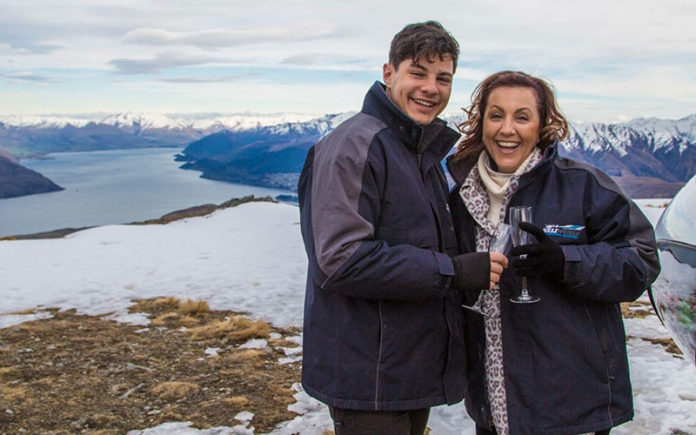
543 258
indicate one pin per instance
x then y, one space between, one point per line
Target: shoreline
194 211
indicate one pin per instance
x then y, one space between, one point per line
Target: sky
608 60
250 258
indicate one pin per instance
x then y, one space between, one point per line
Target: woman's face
511 126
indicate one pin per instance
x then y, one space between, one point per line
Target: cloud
605 58
158 63
28 76
18 45
195 80
220 38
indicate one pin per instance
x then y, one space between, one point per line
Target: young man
382 338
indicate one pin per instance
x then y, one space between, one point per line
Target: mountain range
648 157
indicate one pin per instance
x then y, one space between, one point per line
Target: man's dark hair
423 41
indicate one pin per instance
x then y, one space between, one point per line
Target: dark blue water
111 187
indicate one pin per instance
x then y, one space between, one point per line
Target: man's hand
498 263
543 258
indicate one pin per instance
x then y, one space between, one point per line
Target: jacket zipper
379 355
438 224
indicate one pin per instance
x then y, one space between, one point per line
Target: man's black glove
471 271
543 258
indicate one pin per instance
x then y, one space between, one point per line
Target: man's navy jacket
382 329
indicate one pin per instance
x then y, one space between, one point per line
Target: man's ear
387 74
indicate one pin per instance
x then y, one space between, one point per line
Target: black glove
471 271
543 258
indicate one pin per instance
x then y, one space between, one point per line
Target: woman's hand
543 258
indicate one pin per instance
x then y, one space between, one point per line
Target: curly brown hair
554 125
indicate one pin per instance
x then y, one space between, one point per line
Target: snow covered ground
250 258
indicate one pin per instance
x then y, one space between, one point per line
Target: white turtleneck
496 183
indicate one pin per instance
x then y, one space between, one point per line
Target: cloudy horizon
609 61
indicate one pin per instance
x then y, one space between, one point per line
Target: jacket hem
371 405
593 427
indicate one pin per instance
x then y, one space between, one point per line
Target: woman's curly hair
554 125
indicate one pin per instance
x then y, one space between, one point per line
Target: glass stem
525 293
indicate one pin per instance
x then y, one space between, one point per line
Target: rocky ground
84 374
74 373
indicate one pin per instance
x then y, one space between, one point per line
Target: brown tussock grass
12 394
189 321
24 312
669 344
172 312
236 328
168 301
6 371
194 307
636 309
282 342
166 319
236 401
174 390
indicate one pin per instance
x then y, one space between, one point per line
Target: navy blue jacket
382 331
565 362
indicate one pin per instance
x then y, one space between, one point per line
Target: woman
557 366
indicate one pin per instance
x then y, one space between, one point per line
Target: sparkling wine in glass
519 238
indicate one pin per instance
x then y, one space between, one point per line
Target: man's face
421 89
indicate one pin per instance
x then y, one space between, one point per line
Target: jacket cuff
572 265
445 271
474 271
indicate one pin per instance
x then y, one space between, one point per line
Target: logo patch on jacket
567 231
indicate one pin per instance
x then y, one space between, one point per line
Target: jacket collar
435 137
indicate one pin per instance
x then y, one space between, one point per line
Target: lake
112 187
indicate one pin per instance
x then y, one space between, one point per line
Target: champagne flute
520 237
499 242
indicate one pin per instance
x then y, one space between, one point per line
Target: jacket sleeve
620 259
345 191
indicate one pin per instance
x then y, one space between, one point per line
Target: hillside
106 347
16 180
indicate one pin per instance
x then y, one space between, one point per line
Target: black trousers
353 422
482 431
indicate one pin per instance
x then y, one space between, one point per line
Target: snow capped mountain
655 133
646 147
662 150
198 121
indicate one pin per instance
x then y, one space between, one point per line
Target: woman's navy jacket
565 362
